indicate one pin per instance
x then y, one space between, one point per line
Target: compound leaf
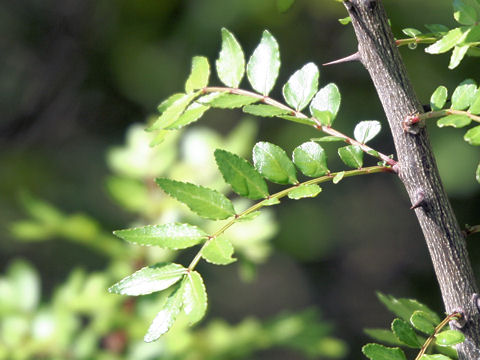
264 64
244 179
311 159
199 74
194 297
231 62
301 87
149 279
273 163
205 202
170 236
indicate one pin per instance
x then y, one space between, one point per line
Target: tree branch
417 168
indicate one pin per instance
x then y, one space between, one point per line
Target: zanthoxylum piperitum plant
307 105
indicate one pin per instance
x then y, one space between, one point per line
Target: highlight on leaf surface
304 191
149 279
207 203
218 251
264 64
366 130
199 74
325 104
310 159
438 98
464 94
301 87
231 62
351 155
273 163
194 297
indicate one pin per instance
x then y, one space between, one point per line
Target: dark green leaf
337 178
218 251
297 119
405 333
366 130
301 87
472 136
458 54
325 104
173 112
448 41
384 336
167 316
380 352
231 62
191 114
437 28
263 66
199 74
475 107
328 139
311 159
438 98
423 321
242 176
456 121
170 236
305 191
464 94
149 279
412 32
230 101
464 14
205 202
449 337
284 5
404 308
194 297
273 163
351 155
264 110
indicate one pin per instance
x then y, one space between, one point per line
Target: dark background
75 74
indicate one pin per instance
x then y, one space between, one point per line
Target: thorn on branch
476 301
349 58
419 200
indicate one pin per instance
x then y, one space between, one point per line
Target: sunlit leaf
434 357
464 94
351 155
264 110
230 101
404 308
231 62
456 121
338 177
472 136
191 114
438 98
194 297
305 191
311 159
242 176
205 202
328 139
366 130
380 352
345 21
405 333
149 279
171 236
447 42
412 32
173 112
165 104
458 54
383 335
325 104
199 74
475 106
449 337
167 316
218 251
264 64
301 87
273 163
297 119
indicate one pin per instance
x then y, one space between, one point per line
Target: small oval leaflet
366 130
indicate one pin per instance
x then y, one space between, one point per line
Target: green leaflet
477 173
380 352
449 337
475 106
423 322
167 316
231 61
337 178
284 5
366 130
412 32
435 357
438 98
472 136
404 308
218 251
464 14
310 159
464 94
438 29
456 121
193 112
199 74
325 104
300 120
174 110
194 297
149 279
458 54
405 333
383 335
351 155
273 163
305 191
203 201
448 41
328 138
230 101
301 87
264 64
169 236
264 110
244 179
165 104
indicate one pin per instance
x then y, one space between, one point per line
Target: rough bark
417 168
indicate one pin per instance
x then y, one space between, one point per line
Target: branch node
349 58
411 124
460 322
419 200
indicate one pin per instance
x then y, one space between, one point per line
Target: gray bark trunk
417 168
